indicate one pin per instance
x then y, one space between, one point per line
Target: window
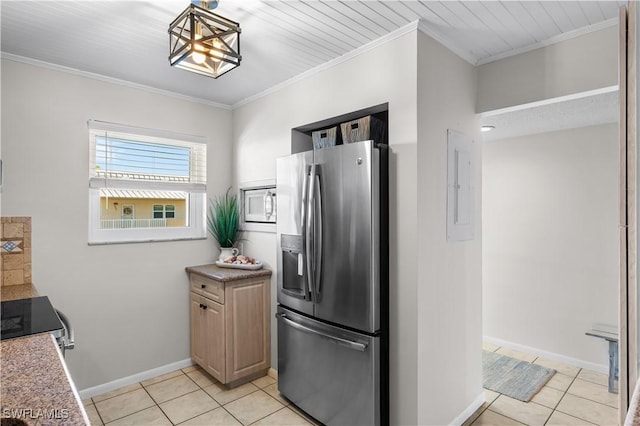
169 211
159 176
158 212
164 212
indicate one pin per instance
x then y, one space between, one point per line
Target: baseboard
469 411
273 373
135 378
600 368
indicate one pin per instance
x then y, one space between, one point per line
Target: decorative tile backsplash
15 249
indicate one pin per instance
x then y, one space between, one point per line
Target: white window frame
197 192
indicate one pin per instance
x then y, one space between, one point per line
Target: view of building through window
122 209
122 159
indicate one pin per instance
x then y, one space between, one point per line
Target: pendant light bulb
217 44
198 58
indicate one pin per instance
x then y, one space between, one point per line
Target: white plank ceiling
280 40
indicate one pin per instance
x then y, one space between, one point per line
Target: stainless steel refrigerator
333 283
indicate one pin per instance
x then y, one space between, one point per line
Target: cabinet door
198 330
247 308
215 340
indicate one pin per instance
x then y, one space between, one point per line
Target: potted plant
223 222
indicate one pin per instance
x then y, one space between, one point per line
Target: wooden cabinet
230 313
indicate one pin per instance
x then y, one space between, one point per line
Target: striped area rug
512 377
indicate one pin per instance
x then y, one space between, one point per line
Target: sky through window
116 154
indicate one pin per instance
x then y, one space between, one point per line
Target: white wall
449 273
128 302
550 246
572 66
419 311
262 132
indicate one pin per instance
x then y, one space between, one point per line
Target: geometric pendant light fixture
203 42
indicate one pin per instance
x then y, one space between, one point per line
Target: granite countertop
36 385
227 274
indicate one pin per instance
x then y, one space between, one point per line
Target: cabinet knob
203 286
204 306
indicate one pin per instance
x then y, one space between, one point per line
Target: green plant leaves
223 219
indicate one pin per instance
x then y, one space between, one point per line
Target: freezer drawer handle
343 342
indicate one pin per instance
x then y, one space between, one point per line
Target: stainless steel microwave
258 205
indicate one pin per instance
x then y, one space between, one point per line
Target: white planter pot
226 252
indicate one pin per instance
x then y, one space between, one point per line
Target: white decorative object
227 252
249 266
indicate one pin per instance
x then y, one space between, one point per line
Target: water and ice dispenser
293 265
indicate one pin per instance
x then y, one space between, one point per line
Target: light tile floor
573 396
191 397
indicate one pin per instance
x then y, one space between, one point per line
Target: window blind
132 157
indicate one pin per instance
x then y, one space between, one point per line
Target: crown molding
553 40
420 25
412 26
104 78
424 27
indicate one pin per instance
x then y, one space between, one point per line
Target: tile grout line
531 400
130 414
502 414
229 412
114 396
566 391
554 409
592 400
200 387
583 397
151 397
586 399
264 417
156 402
97 412
171 399
216 401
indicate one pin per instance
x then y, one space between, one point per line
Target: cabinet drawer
210 289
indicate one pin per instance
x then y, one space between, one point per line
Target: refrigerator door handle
306 213
317 217
309 243
303 207
338 340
